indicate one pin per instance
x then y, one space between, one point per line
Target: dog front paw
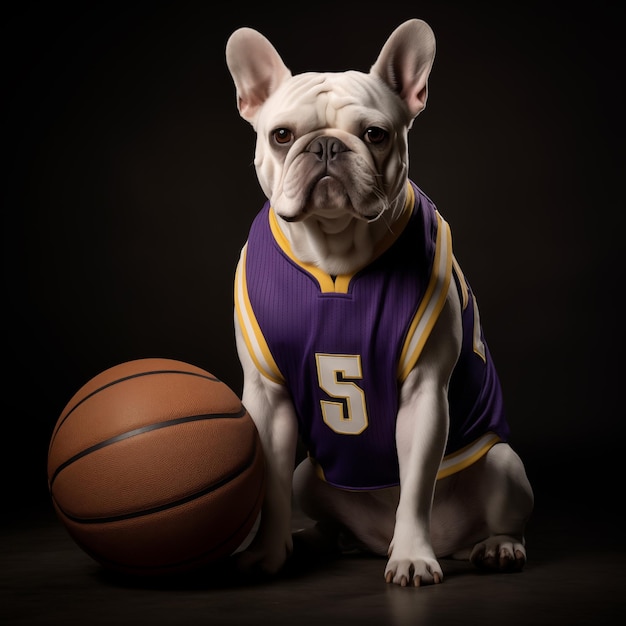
255 563
415 572
261 559
500 553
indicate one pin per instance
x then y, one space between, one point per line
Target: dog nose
327 148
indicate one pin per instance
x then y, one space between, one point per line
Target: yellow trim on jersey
462 284
317 468
450 464
341 283
464 457
432 303
478 344
252 334
325 281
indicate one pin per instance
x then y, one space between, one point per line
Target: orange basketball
155 467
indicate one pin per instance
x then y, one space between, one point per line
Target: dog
358 334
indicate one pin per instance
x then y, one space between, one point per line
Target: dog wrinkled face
331 153
332 144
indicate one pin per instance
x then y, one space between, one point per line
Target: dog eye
375 135
282 136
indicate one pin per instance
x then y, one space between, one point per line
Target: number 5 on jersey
336 373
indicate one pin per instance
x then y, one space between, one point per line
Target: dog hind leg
360 520
505 493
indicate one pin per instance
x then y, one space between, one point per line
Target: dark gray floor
575 575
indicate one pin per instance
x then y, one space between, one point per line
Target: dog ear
256 68
405 61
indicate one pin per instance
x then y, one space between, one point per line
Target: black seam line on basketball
141 431
163 507
125 378
199 558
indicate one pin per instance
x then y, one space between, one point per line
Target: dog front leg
271 410
421 433
420 444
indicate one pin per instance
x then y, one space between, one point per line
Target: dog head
333 145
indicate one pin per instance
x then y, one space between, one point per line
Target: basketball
155 467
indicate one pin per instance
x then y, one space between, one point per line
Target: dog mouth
329 180
329 197
329 193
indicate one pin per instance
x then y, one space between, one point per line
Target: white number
335 373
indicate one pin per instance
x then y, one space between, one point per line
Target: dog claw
506 560
415 581
492 555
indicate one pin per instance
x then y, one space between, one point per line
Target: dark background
129 189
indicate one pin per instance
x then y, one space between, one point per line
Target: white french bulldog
358 332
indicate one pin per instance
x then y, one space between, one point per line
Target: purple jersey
344 344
